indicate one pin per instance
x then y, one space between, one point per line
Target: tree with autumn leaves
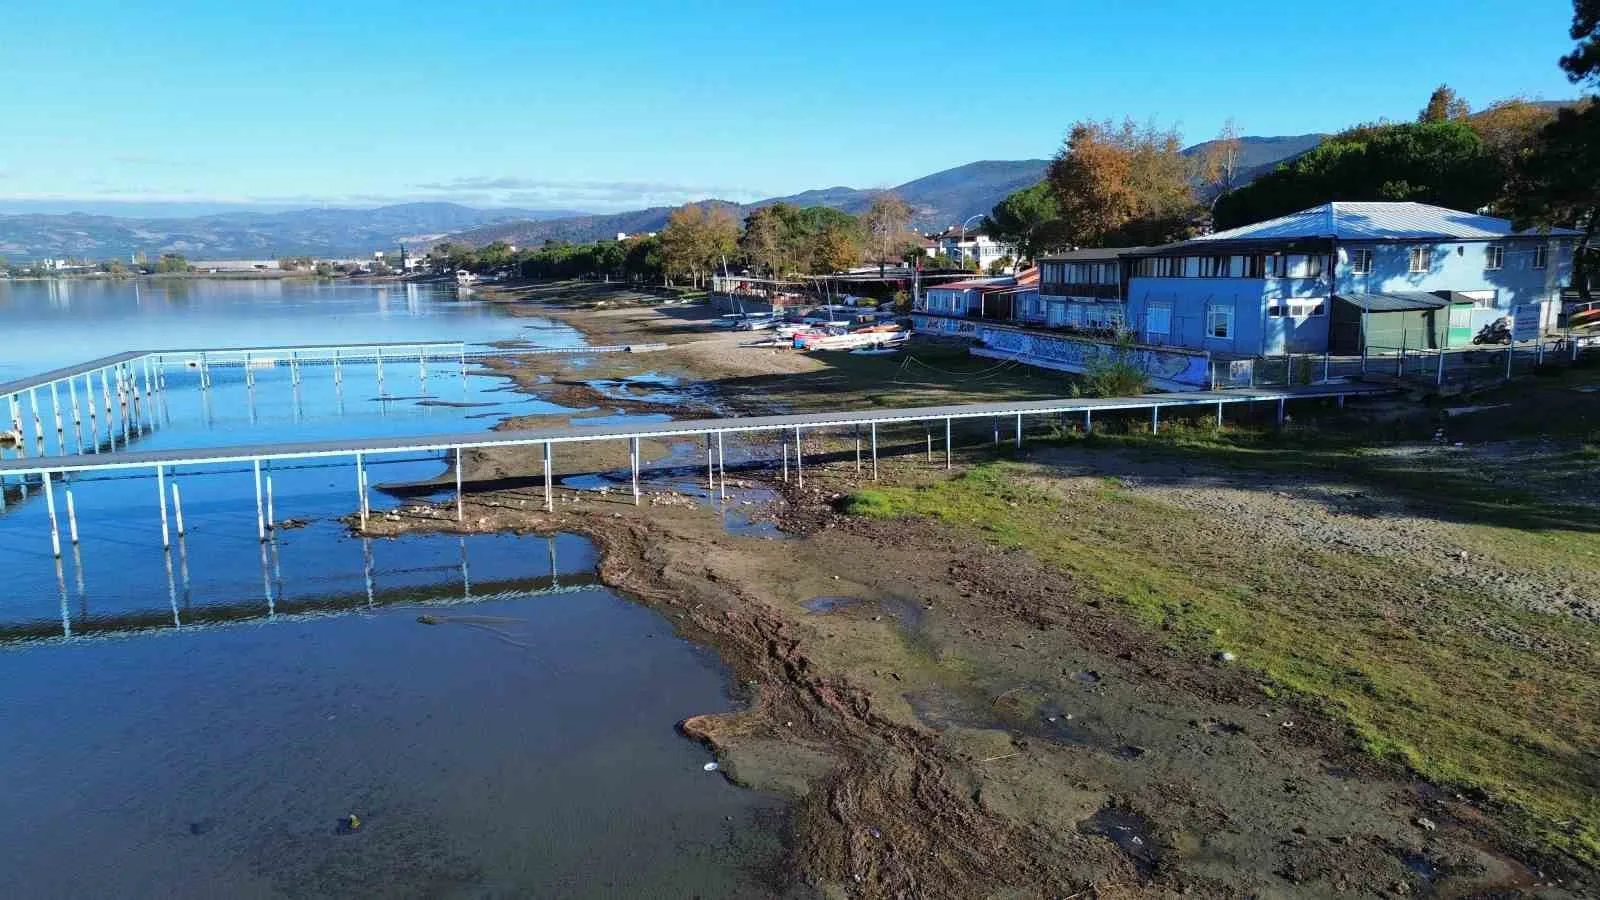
1122 184
698 237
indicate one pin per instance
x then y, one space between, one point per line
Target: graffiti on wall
1185 367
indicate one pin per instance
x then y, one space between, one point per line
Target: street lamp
960 242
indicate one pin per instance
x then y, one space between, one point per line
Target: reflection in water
182 610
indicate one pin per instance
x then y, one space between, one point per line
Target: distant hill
1260 155
315 232
943 198
937 200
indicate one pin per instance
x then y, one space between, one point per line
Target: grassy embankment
1438 674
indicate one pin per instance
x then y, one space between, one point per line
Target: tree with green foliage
1029 219
1443 163
1557 182
1122 184
1583 63
171 263
1444 105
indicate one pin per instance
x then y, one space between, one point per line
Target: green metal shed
1387 322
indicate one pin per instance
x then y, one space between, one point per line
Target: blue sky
603 105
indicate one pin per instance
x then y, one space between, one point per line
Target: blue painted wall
1254 333
1460 266
1456 266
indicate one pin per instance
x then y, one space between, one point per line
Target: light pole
961 242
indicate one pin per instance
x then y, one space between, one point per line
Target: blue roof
1353 221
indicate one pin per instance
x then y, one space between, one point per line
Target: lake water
197 722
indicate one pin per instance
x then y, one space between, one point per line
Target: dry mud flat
955 719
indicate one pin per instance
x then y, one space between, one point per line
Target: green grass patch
1465 690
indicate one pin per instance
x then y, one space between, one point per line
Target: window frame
1227 321
1494 257
1541 257
1415 253
1361 261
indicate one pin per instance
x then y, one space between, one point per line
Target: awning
1398 301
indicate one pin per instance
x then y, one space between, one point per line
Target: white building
964 248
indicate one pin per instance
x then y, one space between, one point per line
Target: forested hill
937 200
316 232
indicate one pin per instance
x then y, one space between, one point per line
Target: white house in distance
964 247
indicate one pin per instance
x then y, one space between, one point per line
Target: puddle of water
1421 865
1131 833
829 604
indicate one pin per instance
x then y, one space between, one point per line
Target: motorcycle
1496 332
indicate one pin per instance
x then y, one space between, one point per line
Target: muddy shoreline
955 719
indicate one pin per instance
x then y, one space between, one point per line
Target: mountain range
937 201
249 235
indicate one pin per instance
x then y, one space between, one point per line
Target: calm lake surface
197 722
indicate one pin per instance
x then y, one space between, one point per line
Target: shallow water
196 721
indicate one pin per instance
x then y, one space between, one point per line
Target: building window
1361 262
1421 259
1265 265
1299 265
1494 257
1219 321
1541 256
1157 324
1213 267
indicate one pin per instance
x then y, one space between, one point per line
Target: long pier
1009 417
121 393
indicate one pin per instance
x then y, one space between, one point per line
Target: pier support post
72 514
361 489
549 495
94 419
1019 430
55 411
378 354
272 515
1281 402
947 448
858 448
77 415
1155 419
105 395
261 507
722 469
38 426
1088 421
874 451
177 508
799 460
997 432
711 469
161 494
1219 415
50 507
633 459
461 511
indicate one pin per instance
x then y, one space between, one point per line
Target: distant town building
964 248
235 265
